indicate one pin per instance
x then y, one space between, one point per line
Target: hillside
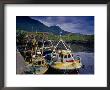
31 25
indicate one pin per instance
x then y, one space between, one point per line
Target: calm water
86 52
88 62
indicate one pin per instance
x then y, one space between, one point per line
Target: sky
74 24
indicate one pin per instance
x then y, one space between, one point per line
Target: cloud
67 26
74 24
46 23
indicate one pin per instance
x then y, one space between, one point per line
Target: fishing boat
63 59
38 63
47 50
38 66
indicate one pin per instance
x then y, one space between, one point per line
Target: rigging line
57 44
72 56
68 46
64 45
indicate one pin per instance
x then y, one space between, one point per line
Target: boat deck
66 65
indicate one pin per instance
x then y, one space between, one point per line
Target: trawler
38 63
63 59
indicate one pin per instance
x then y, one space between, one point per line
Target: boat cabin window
69 55
65 56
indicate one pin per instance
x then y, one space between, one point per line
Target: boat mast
61 40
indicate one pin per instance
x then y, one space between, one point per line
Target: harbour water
87 60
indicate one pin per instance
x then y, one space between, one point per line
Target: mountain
31 25
57 29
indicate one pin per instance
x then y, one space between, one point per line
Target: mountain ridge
28 24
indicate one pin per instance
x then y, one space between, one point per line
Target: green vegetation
20 34
73 37
67 38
